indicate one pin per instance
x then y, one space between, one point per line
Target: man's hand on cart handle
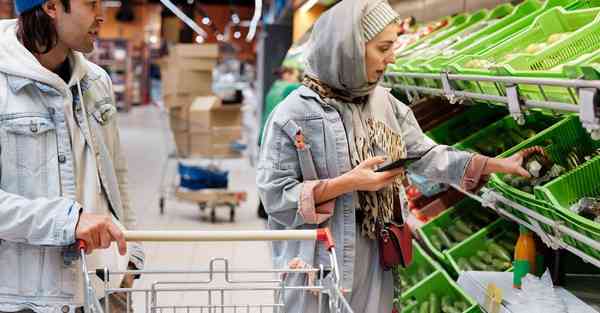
98 232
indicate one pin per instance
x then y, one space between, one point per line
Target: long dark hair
36 29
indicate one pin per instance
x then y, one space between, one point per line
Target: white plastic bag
537 295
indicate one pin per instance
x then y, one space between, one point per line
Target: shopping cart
208 297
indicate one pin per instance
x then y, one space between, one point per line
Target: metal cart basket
207 296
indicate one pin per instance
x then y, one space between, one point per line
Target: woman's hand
513 164
364 178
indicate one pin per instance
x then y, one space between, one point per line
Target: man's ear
51 8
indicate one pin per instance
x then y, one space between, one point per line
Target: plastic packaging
538 295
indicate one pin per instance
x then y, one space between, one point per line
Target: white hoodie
94 159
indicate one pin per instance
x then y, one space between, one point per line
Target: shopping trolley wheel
213 215
231 213
161 205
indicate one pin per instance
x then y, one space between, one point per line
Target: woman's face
379 52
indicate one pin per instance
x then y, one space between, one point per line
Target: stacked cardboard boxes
187 73
206 128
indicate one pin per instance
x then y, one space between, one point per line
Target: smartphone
396 164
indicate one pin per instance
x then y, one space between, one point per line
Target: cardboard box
212 143
176 100
190 50
176 81
209 112
206 127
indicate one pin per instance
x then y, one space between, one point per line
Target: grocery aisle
142 139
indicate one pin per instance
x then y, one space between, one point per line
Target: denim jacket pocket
29 154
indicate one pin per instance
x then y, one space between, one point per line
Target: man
62 170
289 80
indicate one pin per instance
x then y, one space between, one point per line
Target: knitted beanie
22 6
378 15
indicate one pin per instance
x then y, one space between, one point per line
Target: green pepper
501 265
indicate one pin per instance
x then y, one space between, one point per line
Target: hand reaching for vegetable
513 164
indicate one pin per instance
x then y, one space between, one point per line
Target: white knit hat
378 16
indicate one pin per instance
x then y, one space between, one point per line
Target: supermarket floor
143 132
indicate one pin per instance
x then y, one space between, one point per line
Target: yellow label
493 299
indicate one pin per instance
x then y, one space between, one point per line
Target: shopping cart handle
324 235
81 245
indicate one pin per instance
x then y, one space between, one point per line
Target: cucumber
446 301
413 280
445 240
461 305
485 256
498 251
437 244
501 265
450 309
424 308
464 264
456 234
506 244
463 227
422 273
478 264
434 303
482 216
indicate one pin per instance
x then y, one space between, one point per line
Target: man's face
78 28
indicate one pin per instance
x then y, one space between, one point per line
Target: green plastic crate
479 242
583 4
584 38
535 120
587 68
483 46
403 61
566 191
447 218
466 123
441 285
415 63
466 45
452 21
420 259
558 140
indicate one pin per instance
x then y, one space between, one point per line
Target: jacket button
62 159
51 111
65 309
33 128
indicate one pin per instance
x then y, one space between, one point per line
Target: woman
322 144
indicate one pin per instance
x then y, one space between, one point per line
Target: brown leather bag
395 246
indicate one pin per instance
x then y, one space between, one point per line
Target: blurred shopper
63 175
289 80
323 142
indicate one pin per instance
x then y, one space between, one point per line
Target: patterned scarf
371 137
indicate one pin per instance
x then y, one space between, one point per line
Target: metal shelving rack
508 92
587 106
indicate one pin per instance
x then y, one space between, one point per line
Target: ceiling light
237 35
199 39
220 37
235 19
205 20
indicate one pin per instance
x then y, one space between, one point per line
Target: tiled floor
145 137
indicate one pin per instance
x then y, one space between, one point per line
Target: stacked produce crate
557 39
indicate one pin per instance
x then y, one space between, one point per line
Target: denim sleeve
41 221
438 163
279 176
